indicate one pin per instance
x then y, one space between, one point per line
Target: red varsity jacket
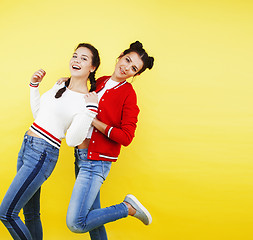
118 109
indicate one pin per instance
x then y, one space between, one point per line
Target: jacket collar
106 80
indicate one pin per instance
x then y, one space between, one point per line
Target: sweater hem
51 139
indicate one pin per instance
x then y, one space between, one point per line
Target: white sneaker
141 212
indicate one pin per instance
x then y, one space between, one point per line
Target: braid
62 90
92 81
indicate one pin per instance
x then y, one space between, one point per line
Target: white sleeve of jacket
78 130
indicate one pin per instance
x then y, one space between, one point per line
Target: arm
100 126
81 123
34 91
123 134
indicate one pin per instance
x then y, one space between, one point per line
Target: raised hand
62 80
38 76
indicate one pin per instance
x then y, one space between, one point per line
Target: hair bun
136 45
151 62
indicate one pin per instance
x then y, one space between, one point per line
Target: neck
116 79
78 85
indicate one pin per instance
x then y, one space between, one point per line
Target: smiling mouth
122 72
76 67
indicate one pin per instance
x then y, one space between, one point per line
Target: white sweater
56 116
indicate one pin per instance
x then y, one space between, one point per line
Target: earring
133 77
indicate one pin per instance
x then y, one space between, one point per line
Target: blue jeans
84 212
36 161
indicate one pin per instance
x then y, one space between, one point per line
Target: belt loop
30 139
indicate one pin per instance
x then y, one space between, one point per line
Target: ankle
131 210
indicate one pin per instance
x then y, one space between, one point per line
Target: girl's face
127 66
81 63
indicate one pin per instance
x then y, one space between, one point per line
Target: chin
76 74
121 76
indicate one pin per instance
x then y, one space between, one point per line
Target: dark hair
137 47
95 63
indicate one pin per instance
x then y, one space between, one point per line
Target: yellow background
191 161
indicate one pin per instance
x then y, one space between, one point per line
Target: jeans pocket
44 147
36 147
47 155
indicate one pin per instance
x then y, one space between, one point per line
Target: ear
93 69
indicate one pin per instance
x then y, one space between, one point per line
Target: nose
77 60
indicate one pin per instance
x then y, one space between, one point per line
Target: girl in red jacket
114 126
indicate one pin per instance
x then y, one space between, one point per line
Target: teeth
76 67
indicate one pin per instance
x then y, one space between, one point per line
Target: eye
74 56
134 69
127 59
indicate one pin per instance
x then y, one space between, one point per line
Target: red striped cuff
35 85
92 107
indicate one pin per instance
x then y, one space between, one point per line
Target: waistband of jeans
38 140
81 151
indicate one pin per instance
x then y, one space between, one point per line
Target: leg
32 216
34 167
80 217
84 193
24 185
100 232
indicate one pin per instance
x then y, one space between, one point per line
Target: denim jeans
84 212
36 161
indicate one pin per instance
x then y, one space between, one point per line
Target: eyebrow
133 65
83 55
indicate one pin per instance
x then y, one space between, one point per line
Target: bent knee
75 227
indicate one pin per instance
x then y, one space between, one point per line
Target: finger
42 71
62 80
36 75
